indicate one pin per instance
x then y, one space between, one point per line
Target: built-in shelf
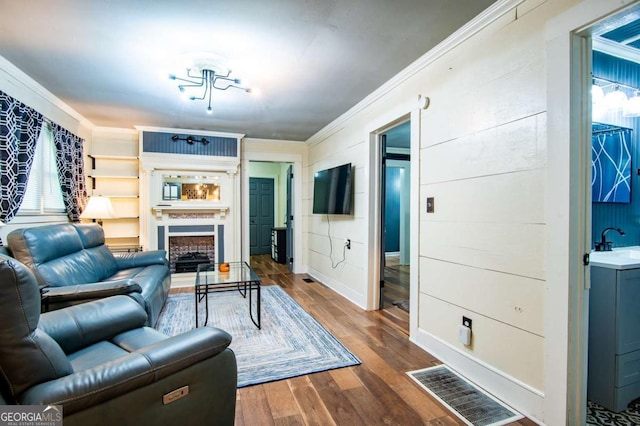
98 176
113 157
112 172
121 218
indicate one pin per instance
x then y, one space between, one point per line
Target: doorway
271 211
614 67
395 175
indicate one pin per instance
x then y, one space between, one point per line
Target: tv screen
332 190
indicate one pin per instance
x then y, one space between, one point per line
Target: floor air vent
308 280
471 404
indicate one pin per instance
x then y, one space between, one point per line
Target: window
43 195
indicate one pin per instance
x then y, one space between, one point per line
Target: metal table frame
210 279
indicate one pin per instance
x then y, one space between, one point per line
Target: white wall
483 156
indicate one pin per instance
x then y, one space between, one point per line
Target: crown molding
18 78
484 19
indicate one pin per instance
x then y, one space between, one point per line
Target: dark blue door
261 191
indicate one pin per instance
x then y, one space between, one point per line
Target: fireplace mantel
190 207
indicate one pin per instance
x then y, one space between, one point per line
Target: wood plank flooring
377 392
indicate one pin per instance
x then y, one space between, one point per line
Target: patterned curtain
20 127
70 164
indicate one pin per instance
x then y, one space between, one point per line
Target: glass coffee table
210 279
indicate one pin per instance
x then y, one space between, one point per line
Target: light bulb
632 107
615 100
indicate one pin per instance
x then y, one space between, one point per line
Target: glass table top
239 272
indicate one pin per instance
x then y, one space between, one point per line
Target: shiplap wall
483 157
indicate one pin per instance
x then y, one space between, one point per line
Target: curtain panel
20 127
70 164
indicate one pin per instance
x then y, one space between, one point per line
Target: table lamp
98 208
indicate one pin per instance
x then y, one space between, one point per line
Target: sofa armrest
141 258
79 326
178 352
88 388
90 291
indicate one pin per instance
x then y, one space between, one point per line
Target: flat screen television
332 190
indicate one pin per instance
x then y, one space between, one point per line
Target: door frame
272 157
568 209
381 125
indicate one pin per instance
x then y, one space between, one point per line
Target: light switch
430 205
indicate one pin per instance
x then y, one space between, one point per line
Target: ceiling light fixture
205 74
610 96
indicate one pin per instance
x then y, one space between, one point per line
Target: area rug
291 342
471 404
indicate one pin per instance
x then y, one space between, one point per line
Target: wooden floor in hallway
377 392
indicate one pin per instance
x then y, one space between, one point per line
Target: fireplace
187 252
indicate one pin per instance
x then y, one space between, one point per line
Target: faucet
605 245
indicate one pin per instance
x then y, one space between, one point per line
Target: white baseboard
523 398
344 291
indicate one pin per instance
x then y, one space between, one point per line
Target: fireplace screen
187 252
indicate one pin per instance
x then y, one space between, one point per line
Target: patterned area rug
291 342
598 415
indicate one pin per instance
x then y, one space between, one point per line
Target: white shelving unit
115 174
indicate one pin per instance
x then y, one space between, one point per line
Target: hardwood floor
396 289
377 392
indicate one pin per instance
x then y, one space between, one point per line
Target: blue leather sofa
73 265
101 363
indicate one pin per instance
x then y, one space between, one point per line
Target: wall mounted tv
332 190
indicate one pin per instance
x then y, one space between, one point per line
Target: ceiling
309 61
619 34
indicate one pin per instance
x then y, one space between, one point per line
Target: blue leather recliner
101 363
73 265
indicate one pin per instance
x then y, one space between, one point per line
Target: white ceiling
310 60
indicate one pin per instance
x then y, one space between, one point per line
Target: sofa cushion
95 355
40 244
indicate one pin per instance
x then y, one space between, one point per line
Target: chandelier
203 76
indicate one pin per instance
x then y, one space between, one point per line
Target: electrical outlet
347 243
466 322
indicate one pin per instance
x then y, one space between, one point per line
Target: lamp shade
615 100
632 107
98 207
597 94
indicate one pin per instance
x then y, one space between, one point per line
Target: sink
618 258
633 254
